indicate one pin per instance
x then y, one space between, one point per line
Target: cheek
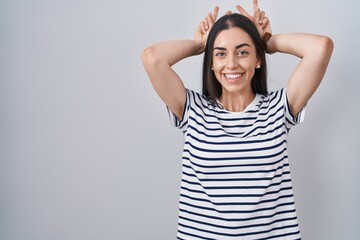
249 63
250 68
217 68
217 75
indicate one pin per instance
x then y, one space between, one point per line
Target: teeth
232 76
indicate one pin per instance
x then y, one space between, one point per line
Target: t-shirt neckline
249 107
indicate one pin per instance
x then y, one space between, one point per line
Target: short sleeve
183 123
292 120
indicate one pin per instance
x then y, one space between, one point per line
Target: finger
266 25
255 4
205 24
202 26
215 13
228 13
242 11
265 21
262 14
209 19
257 15
261 18
257 20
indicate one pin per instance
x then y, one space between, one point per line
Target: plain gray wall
86 148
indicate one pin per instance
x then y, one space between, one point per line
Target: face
234 60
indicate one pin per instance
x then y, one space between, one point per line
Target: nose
231 62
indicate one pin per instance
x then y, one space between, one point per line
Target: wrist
265 39
199 47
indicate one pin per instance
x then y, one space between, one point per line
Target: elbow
148 56
329 43
326 46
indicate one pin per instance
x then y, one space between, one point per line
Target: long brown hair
211 87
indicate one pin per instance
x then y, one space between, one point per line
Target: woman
236 180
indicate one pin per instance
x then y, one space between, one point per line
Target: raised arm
159 59
314 50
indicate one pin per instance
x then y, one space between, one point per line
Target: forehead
232 37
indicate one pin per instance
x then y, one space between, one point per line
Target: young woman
236 181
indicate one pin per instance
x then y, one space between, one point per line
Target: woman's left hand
259 18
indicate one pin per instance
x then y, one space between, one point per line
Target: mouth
233 77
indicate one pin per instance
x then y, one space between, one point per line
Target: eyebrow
237 47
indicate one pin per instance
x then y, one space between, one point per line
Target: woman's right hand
204 28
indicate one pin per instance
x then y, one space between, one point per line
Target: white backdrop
86 148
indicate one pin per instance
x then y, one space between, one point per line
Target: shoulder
274 97
198 100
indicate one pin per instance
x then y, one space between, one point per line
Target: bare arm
159 59
315 52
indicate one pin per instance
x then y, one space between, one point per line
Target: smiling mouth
233 77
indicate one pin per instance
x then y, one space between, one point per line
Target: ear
258 63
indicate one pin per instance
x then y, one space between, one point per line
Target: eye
243 53
220 54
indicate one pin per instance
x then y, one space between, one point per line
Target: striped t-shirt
236 181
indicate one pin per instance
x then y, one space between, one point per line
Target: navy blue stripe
274 99
269 104
194 235
226 135
237 142
235 158
217 123
238 172
293 118
236 179
199 99
237 187
268 125
205 127
256 118
183 123
281 235
238 211
238 219
289 121
236 195
222 119
197 109
235 150
237 203
236 165
239 235
268 132
206 134
239 227
276 112
200 105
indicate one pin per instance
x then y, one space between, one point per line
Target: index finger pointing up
243 12
215 13
255 4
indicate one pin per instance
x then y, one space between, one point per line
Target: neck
236 102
